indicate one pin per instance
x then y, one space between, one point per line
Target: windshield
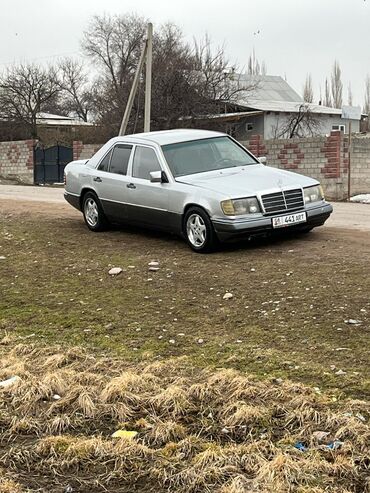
199 156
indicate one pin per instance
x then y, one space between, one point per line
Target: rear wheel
198 230
93 213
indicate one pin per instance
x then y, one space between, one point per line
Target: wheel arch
84 191
194 204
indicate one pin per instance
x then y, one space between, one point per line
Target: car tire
198 231
93 212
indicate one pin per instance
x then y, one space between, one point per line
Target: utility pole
146 55
148 78
133 91
349 160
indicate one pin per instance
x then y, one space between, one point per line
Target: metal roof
273 93
237 115
288 107
50 119
267 88
51 116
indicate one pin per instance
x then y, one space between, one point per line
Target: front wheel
93 213
198 230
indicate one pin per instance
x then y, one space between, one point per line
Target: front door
147 201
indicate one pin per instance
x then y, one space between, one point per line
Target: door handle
130 185
98 179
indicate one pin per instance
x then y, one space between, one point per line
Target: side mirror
158 177
262 159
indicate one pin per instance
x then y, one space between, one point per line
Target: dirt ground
218 391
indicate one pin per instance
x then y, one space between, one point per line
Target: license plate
284 221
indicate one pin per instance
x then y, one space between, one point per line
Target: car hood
249 180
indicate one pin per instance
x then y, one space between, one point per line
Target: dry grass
9 486
198 431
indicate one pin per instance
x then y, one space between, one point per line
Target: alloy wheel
91 212
196 230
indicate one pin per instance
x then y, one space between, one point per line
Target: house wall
324 158
241 132
17 160
273 120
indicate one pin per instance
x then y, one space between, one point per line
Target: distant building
50 129
271 104
49 119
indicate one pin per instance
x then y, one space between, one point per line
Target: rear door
148 202
111 181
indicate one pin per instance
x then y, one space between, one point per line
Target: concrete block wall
17 160
360 165
84 151
323 158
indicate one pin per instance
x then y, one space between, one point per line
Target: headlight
313 194
240 206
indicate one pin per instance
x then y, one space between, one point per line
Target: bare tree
327 97
113 44
303 123
76 93
172 78
336 85
212 75
25 91
187 80
308 89
254 66
217 83
367 96
350 95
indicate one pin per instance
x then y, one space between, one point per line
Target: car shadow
277 239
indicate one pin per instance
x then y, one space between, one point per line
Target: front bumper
233 229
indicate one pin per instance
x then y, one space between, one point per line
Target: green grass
56 289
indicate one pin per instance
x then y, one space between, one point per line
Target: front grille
286 200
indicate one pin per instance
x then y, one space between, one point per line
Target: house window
250 127
340 128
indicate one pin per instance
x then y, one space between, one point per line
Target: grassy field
286 325
196 430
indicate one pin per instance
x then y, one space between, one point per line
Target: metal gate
50 163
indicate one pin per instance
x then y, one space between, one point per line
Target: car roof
164 137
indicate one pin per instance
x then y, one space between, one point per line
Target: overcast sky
295 36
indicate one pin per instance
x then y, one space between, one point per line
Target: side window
120 158
145 161
104 163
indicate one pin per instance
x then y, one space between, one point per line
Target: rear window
104 163
120 159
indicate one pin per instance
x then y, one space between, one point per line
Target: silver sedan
200 184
